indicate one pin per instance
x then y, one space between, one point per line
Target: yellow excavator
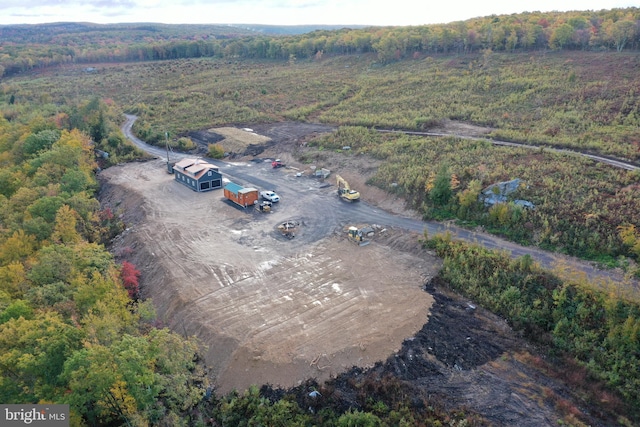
345 192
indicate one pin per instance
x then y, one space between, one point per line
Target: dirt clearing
236 140
269 310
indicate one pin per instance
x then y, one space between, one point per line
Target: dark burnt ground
475 341
286 133
205 137
465 360
202 138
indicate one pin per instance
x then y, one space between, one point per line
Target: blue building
197 174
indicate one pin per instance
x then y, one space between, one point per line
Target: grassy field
580 100
584 101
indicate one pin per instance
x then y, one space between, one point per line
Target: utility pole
166 141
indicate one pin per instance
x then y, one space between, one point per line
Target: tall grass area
581 100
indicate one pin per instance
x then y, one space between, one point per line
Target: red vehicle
277 163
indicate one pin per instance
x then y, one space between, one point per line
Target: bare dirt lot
279 311
270 310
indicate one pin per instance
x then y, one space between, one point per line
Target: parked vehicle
270 196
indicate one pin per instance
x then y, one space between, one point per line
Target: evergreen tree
441 192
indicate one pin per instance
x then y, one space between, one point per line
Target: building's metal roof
200 174
233 187
184 163
248 190
195 167
239 189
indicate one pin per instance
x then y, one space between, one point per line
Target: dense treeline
23 47
71 327
597 328
616 29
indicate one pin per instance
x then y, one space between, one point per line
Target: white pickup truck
270 196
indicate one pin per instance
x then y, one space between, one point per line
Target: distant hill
25 47
58 31
293 29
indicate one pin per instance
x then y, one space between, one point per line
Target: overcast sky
280 12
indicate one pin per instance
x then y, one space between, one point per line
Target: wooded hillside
27 47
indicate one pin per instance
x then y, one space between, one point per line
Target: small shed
243 196
197 174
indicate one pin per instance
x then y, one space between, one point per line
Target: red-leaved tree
130 276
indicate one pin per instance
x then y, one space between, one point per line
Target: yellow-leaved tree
630 237
64 230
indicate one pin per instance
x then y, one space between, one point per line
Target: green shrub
216 151
185 144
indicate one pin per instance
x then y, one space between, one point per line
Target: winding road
610 161
311 198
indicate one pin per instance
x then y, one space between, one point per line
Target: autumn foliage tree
630 237
130 276
68 331
64 230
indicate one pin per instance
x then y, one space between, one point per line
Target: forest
27 47
73 328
